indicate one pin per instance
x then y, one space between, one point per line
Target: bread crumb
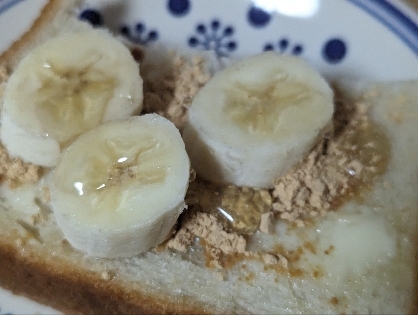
266 223
19 242
107 275
220 276
269 259
283 262
46 194
272 260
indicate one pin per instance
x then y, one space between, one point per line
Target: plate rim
8 4
402 25
398 17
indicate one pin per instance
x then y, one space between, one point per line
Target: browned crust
73 290
46 15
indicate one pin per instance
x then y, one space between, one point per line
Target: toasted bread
359 259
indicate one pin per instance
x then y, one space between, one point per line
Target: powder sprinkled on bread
171 94
336 168
205 225
14 171
162 269
322 182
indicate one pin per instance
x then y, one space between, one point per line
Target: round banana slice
256 119
118 189
67 86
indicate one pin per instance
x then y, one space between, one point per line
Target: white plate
356 38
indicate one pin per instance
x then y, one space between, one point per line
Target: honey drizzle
361 142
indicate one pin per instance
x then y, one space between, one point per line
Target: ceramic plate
373 39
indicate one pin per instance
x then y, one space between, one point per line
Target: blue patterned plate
375 39
356 38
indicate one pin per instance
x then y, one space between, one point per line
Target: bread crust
46 16
73 290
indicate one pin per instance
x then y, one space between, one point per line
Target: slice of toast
359 259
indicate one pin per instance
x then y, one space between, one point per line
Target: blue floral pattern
94 17
284 46
178 8
139 33
217 37
334 50
214 37
258 17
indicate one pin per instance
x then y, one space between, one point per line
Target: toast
358 257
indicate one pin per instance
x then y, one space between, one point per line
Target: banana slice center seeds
119 167
70 102
256 109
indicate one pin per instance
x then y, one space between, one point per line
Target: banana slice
65 87
254 120
119 189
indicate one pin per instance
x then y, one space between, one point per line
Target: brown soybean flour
338 168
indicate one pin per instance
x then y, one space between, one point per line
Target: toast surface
43 266
36 261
